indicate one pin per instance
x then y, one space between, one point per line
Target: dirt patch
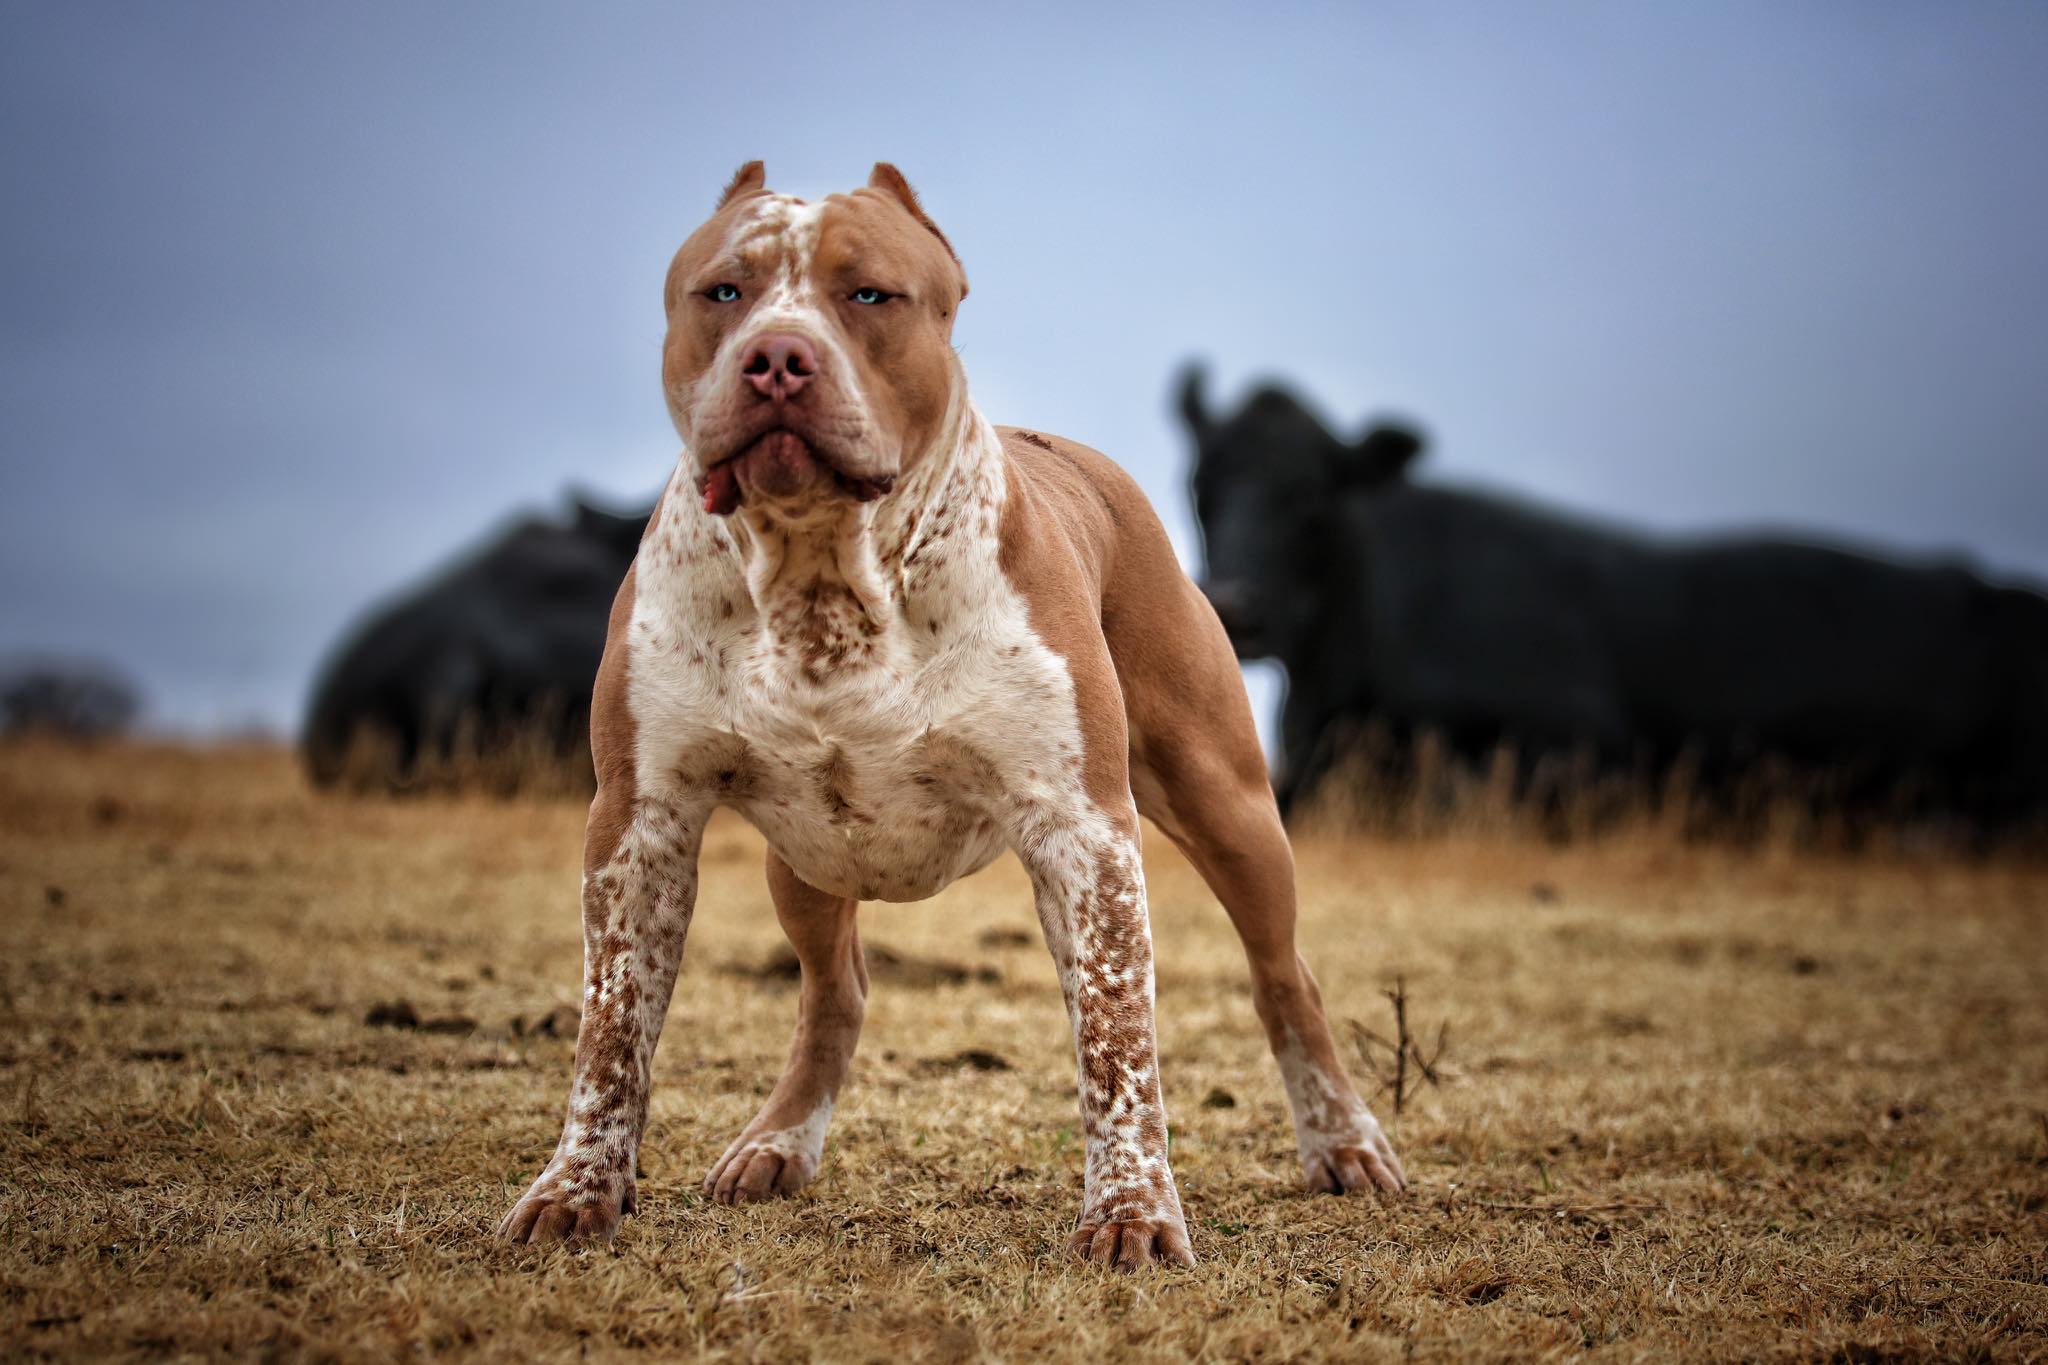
884 964
559 1022
400 1014
967 1059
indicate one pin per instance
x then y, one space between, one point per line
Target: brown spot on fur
956 766
826 623
832 778
725 764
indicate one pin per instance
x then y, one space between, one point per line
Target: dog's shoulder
1072 506
1065 494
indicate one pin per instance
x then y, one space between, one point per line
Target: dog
899 641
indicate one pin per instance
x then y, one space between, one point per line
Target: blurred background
298 302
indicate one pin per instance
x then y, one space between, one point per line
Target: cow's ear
1194 404
1382 455
745 180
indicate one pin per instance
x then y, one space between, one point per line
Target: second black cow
488 664
1491 621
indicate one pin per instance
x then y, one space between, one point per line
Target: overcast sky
295 300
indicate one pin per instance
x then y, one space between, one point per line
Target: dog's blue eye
723 293
869 295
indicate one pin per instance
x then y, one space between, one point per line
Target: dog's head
809 352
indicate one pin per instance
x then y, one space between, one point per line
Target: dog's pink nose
779 363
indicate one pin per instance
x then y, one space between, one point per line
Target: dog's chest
882 754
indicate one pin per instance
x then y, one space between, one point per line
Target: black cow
1488 620
499 650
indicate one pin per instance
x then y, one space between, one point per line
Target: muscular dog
899 640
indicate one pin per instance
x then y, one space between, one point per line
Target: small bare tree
1389 1060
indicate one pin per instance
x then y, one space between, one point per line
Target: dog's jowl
899 640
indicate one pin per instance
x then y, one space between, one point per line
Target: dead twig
1401 1050
31 1113
1398 997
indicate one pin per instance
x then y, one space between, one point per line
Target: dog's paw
560 1208
1364 1160
762 1166
1128 1243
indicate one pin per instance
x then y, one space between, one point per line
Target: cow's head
809 355
614 532
1269 483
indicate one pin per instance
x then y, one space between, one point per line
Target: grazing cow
499 649
1489 620
900 640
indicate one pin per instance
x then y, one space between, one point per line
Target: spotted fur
1001 654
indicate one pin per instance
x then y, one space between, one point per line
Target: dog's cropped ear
890 181
745 180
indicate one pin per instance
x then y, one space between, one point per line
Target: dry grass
1380 787
1695 1102
540 754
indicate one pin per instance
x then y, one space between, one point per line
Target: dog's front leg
1090 889
636 914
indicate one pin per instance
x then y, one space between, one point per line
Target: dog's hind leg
1222 815
778 1153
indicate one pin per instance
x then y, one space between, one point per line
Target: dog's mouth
780 464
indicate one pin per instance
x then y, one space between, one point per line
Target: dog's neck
825 577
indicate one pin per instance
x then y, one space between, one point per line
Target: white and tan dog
899 640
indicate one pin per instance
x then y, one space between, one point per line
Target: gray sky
297 299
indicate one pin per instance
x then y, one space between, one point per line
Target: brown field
1692 1102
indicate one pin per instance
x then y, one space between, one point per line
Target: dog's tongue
721 490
